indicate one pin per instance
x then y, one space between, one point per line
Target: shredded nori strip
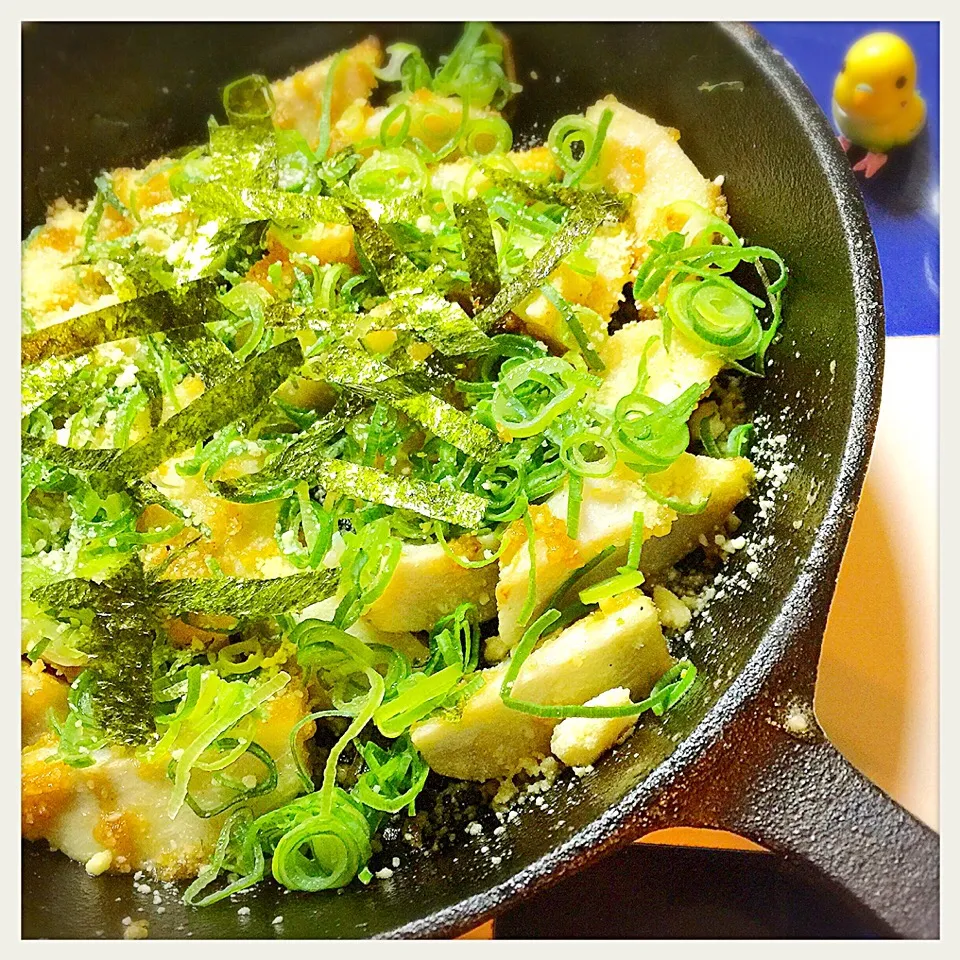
428 499
303 459
44 381
294 463
70 458
395 270
216 407
439 322
244 598
244 156
204 354
447 422
223 201
120 647
589 211
523 190
350 366
121 659
127 600
408 392
479 252
187 305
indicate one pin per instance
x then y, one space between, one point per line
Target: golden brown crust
299 98
46 790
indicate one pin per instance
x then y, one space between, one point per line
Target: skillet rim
814 583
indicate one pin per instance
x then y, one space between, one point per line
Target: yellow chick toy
875 102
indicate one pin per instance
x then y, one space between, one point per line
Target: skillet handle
791 791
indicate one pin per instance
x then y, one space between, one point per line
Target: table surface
877 693
878 689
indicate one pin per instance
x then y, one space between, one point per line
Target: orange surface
877 694
698 837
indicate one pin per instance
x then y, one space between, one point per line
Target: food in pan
359 447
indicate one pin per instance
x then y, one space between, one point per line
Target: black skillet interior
96 96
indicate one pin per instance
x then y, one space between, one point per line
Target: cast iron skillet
97 96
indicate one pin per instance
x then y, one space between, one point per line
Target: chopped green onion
402 113
249 101
526 611
572 454
574 130
636 541
393 778
625 579
578 575
323 135
574 501
388 173
564 387
417 696
234 702
738 439
242 792
569 314
707 437
680 506
487 135
462 561
717 316
366 567
651 435
249 866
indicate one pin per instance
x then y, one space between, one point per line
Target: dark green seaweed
476 237
223 403
190 304
587 213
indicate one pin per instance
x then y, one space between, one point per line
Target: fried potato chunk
619 645
116 809
299 97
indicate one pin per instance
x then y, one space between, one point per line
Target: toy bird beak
861 93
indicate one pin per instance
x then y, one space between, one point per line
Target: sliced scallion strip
636 541
715 315
249 101
572 130
674 503
323 134
574 502
569 315
624 579
666 692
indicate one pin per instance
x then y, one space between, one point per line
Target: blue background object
903 199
